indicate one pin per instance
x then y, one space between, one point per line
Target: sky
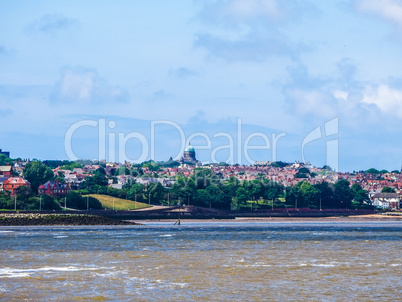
242 80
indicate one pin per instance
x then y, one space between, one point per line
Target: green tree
6 201
76 201
37 173
362 197
356 188
204 177
373 171
343 194
4 160
136 172
279 164
100 171
155 192
310 195
255 189
388 190
122 171
71 166
183 189
218 198
272 190
202 198
242 196
136 192
60 177
46 203
23 195
325 194
292 195
304 170
95 183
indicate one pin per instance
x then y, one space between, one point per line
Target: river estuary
213 261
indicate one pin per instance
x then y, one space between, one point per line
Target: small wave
15 275
19 273
6 231
61 237
158 283
168 235
323 265
317 264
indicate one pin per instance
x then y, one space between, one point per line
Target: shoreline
29 219
25 219
357 218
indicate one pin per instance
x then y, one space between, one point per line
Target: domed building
189 156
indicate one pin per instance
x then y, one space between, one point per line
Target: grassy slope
119 204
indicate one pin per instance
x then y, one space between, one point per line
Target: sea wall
27 219
109 217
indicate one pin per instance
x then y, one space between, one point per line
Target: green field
119 203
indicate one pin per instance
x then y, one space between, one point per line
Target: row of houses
388 201
285 175
12 184
55 188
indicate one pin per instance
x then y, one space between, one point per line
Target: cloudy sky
274 68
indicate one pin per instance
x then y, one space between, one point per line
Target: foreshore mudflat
357 218
27 219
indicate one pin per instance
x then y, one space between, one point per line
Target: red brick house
54 188
6 171
13 183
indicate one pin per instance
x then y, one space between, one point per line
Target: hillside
119 203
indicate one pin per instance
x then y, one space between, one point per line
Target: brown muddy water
219 261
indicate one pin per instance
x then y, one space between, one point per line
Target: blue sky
280 66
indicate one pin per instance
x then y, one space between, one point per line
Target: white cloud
340 94
51 23
250 30
362 107
387 99
246 12
255 46
389 9
80 84
241 9
183 72
311 102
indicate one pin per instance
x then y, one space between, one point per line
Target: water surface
280 261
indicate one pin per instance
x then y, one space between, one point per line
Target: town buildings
6 171
390 201
13 183
151 172
6 153
54 188
188 157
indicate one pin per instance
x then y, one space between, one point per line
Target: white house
389 201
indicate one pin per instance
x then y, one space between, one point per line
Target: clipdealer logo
108 140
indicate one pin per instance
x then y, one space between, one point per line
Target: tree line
204 188
207 189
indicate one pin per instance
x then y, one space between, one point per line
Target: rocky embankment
25 219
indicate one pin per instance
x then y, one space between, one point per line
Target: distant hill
119 203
